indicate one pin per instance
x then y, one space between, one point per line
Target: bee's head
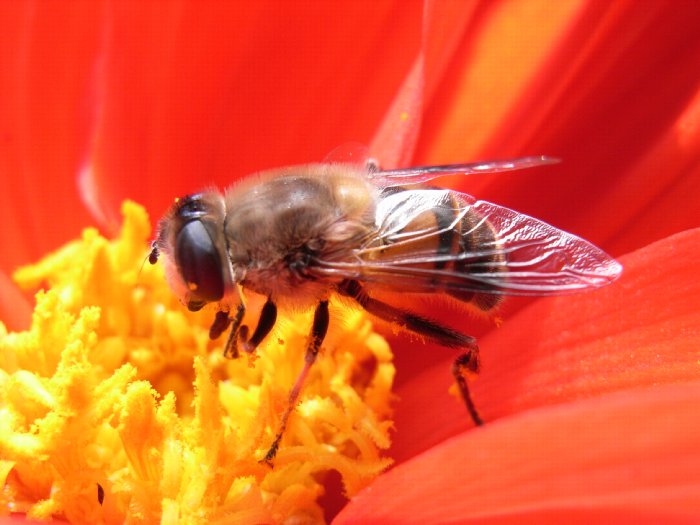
191 240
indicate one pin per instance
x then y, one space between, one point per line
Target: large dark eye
199 264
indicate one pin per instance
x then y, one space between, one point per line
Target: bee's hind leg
318 333
468 362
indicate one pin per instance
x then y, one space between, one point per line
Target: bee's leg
266 321
318 333
468 361
415 323
219 326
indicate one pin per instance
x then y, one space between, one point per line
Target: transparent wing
352 153
357 154
501 251
420 174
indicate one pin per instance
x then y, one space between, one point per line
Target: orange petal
502 50
225 90
45 81
604 86
150 102
15 308
643 330
443 26
621 194
629 457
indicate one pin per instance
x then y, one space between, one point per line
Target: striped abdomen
437 243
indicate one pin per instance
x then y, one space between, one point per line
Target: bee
298 235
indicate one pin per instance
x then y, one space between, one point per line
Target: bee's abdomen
476 253
450 237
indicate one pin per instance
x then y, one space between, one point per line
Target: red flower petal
502 50
443 26
15 309
641 331
561 83
630 457
47 56
604 86
158 100
239 88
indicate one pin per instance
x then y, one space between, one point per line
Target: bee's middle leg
318 334
466 362
266 322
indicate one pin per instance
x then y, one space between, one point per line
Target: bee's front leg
318 333
221 323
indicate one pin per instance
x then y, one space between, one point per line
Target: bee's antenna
152 256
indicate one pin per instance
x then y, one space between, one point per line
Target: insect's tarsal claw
231 352
268 462
270 456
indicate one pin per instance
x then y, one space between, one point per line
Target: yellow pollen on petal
116 407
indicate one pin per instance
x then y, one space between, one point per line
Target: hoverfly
299 234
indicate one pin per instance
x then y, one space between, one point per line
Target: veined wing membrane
420 174
519 255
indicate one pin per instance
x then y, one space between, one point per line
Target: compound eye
199 264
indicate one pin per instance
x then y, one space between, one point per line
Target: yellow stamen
117 385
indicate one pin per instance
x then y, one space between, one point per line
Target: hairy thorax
278 228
